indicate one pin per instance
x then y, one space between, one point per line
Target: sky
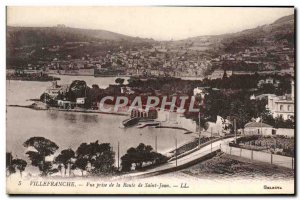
160 23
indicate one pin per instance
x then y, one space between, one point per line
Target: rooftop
257 124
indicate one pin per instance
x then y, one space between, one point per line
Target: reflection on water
53 115
72 117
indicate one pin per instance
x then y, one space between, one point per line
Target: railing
197 147
213 149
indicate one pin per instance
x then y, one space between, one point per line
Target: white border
4 3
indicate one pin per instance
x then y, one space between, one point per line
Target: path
183 162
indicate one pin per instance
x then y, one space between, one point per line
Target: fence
274 159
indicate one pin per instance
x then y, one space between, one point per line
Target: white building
282 105
56 89
221 126
200 91
258 128
53 90
80 101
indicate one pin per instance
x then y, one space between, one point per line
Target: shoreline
66 110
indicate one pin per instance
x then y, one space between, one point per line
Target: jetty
145 124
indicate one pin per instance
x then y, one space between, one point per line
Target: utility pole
234 126
176 150
261 124
156 143
199 129
211 131
118 155
156 136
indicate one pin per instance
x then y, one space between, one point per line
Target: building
53 90
10 72
264 96
219 73
56 89
258 128
80 101
221 126
33 72
63 104
282 105
289 71
200 91
268 81
151 113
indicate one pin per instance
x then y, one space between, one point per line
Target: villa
282 105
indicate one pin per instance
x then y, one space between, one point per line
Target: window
289 108
281 107
281 115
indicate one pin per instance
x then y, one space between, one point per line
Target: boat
130 122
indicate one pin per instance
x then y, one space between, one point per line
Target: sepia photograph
150 100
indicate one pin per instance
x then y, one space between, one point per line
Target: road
187 160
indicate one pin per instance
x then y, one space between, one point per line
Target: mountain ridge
100 34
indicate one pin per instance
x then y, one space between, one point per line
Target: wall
278 160
286 132
254 131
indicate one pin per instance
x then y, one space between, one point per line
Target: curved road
181 162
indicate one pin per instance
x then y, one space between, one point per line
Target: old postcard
150 100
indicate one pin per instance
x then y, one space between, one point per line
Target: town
241 53
168 60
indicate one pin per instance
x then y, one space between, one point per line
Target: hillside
282 30
272 44
30 36
31 44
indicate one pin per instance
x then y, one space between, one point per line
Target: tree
81 163
10 168
241 115
119 81
268 118
65 158
103 158
20 164
78 88
100 156
126 162
46 98
95 94
281 123
268 89
59 168
140 155
43 148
